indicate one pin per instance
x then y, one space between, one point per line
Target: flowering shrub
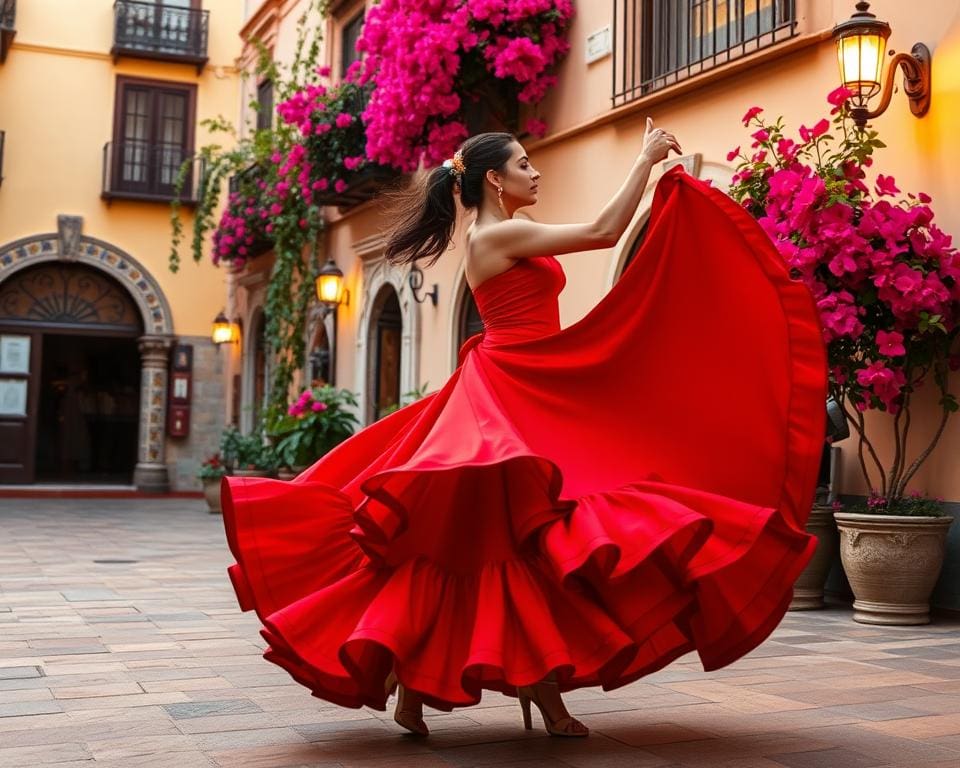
212 468
242 230
314 423
427 60
885 278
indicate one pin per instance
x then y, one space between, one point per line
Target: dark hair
427 213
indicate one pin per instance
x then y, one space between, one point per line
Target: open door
19 382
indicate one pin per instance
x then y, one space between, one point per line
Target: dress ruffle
467 546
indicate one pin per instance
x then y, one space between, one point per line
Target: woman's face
519 179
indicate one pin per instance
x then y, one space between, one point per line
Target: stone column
151 474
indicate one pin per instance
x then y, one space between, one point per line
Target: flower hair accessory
455 164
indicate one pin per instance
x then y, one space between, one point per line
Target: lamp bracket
916 84
415 280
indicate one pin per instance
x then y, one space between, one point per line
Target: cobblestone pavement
121 646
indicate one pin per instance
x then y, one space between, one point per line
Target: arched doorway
384 345
469 322
258 372
320 357
70 375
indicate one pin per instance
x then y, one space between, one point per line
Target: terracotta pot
808 590
211 492
892 563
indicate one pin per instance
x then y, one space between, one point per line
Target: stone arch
139 283
377 272
151 472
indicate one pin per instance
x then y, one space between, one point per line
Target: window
265 105
659 42
153 135
349 36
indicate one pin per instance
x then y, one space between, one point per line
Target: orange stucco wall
585 157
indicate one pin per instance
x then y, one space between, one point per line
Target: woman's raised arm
522 238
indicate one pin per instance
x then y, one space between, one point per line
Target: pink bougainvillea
428 58
885 278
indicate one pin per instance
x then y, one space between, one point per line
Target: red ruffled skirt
594 502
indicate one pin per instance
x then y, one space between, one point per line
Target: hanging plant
429 62
885 278
330 161
262 163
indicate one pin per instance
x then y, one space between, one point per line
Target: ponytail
427 213
426 223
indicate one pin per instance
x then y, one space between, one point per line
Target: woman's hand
657 143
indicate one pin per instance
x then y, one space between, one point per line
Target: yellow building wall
57 90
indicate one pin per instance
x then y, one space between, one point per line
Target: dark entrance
385 343
89 409
69 376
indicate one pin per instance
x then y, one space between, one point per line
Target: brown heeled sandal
412 720
565 726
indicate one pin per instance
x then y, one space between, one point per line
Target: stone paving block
19 673
27 694
90 594
96 691
42 754
24 708
140 745
194 709
280 756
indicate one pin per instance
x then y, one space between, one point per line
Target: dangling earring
500 197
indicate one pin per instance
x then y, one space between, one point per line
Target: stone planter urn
808 590
892 563
211 492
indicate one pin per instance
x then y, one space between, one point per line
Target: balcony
8 24
138 170
155 31
658 43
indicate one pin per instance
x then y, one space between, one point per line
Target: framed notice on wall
13 397
14 354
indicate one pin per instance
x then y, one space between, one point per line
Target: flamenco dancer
574 507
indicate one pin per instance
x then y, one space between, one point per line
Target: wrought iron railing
8 26
145 171
155 30
660 42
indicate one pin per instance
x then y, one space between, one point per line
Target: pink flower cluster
419 53
242 225
331 147
885 278
305 405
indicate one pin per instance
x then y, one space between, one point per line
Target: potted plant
210 473
247 455
885 279
319 419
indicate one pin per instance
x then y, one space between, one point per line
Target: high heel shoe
564 726
410 719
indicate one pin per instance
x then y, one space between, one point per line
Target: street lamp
861 43
330 289
224 332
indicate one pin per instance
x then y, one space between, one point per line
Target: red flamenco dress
594 501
